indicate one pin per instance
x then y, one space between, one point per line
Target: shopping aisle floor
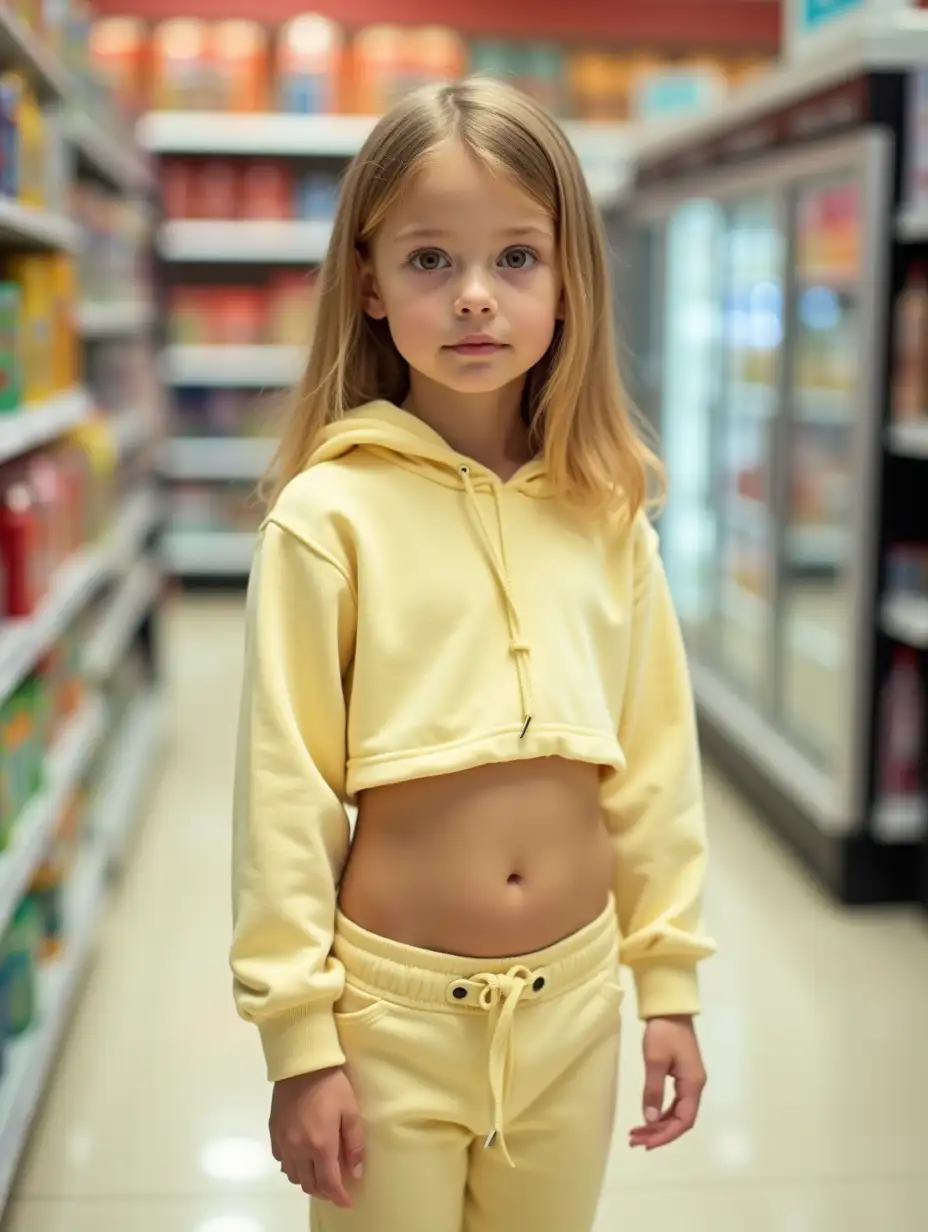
815 1036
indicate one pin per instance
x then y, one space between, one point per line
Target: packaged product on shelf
20 960
309 65
23 725
215 190
601 85
240 316
189 316
47 889
266 191
543 72
65 347
94 445
180 187
32 272
902 730
380 55
316 196
910 357
20 548
495 58
181 68
11 393
240 66
436 53
43 476
118 52
290 315
10 92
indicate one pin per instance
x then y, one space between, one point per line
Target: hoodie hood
385 429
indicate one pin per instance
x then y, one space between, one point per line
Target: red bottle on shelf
20 549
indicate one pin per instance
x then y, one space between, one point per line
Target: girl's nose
475 298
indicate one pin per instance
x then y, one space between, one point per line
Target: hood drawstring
518 647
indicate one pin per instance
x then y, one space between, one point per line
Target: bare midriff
492 862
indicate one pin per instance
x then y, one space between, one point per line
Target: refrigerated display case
768 231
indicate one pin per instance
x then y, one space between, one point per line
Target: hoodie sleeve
290 829
654 809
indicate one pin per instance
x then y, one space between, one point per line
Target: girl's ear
371 300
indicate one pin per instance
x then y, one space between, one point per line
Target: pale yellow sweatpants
487 1087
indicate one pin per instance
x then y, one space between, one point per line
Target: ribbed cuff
301 1042
666 989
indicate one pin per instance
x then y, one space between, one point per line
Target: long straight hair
580 421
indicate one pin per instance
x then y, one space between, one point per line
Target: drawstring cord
519 648
500 996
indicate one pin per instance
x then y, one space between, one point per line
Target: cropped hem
498 745
300 1042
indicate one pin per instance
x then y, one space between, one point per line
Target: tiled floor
816 1041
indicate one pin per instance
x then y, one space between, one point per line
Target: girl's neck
486 427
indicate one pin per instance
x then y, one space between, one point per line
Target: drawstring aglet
525 726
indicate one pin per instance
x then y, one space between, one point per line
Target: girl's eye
518 258
429 260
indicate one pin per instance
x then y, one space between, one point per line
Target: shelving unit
206 458
120 569
234 243
240 367
209 554
116 320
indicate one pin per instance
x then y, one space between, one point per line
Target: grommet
539 984
459 992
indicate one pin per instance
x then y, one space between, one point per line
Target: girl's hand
671 1050
316 1133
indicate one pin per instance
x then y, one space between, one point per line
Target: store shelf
817 547
908 440
244 367
128 775
23 642
265 135
30 1060
118 625
107 155
218 458
28 226
904 618
116 320
603 149
286 243
140 513
824 407
131 429
21 431
66 763
912 224
901 820
209 553
23 49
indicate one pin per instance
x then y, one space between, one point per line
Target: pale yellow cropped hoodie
410 614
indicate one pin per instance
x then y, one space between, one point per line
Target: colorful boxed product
266 191
118 53
181 65
239 62
316 196
11 392
20 960
310 65
20 546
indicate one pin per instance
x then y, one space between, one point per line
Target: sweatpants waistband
429 979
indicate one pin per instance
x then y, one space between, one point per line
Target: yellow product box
33 274
65 353
31 150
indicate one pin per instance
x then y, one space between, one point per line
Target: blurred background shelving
80 513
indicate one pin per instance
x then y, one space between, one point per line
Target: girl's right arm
290 828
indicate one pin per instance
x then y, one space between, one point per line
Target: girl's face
464 270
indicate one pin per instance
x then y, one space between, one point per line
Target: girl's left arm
654 809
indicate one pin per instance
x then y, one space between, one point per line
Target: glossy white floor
815 1037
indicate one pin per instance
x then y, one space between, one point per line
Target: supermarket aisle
156 1120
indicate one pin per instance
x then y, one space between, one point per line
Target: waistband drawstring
518 646
500 995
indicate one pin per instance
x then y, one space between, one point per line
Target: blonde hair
579 420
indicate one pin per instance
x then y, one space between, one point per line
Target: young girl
458 619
